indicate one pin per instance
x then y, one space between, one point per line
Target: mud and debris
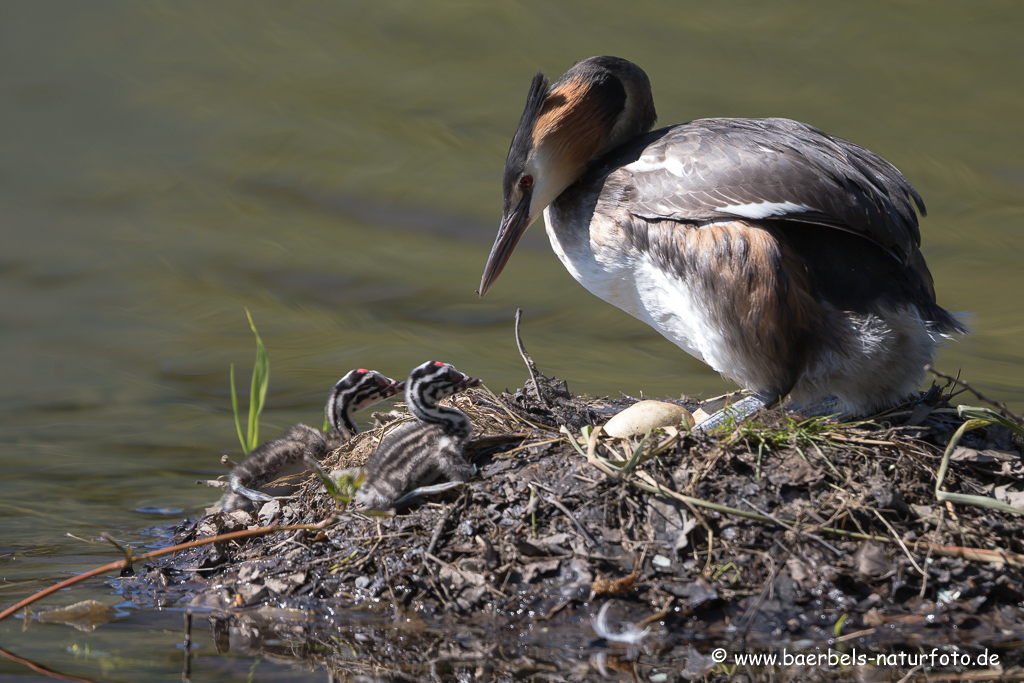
631 558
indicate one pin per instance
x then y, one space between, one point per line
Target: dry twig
530 365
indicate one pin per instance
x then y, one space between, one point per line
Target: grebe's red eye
526 182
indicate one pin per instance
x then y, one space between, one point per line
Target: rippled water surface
335 168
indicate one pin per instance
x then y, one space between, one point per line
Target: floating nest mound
572 555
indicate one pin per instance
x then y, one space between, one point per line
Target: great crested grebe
783 257
283 456
419 452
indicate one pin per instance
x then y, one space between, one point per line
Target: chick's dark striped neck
451 420
342 404
353 392
427 385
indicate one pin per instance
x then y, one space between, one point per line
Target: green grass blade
635 457
977 417
970 412
258 392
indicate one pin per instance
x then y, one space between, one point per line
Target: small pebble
661 561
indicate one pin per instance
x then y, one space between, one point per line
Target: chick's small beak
512 228
395 388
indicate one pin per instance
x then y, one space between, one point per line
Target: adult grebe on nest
783 257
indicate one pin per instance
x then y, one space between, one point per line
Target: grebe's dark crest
785 258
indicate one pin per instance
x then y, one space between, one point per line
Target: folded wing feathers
794 170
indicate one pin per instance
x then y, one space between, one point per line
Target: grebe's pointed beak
467 382
513 225
394 388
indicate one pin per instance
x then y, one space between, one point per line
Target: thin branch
125 550
439 528
515 417
186 667
928 555
121 564
1001 407
591 541
40 669
530 365
899 540
790 527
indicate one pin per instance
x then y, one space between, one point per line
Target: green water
335 168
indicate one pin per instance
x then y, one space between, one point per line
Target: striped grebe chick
419 452
783 257
283 456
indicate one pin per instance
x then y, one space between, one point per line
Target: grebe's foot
744 408
256 496
431 490
737 412
827 407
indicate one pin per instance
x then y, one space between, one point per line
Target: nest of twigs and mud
572 555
